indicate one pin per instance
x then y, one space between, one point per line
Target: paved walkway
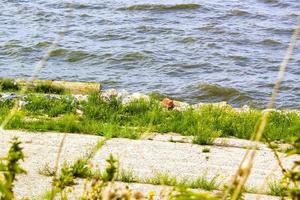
145 158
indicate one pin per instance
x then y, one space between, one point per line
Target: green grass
206 150
112 119
205 183
48 89
46 170
202 182
5 107
127 176
47 105
9 85
276 189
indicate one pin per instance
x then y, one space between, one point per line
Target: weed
202 182
161 179
126 176
48 89
277 189
205 183
46 170
9 168
111 170
81 169
51 106
205 150
9 85
113 119
205 137
66 177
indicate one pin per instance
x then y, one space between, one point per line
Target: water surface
194 50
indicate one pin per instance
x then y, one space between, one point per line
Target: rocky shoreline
125 98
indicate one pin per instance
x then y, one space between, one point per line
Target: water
193 50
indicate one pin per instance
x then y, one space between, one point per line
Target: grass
113 119
49 89
205 150
46 170
127 176
202 182
47 105
9 85
276 189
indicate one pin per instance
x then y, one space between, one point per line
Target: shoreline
82 89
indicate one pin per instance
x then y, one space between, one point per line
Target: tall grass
8 85
113 119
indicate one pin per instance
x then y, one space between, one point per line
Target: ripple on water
188 40
70 55
214 92
153 30
270 42
238 12
15 48
43 44
129 57
162 7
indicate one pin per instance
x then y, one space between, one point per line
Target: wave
237 12
15 48
214 92
152 29
70 55
188 40
162 7
128 57
271 42
43 44
238 57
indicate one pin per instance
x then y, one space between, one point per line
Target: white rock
134 97
121 96
80 97
108 94
270 110
79 112
181 106
197 106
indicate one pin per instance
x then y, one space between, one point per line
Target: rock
79 112
8 96
108 94
135 97
221 104
22 103
270 110
122 96
197 106
181 106
167 103
80 97
245 108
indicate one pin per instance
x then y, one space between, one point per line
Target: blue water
220 50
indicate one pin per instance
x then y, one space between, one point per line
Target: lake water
193 50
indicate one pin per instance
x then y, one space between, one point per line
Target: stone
181 106
108 94
8 96
79 112
80 97
167 103
197 106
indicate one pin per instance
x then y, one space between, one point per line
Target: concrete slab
41 149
